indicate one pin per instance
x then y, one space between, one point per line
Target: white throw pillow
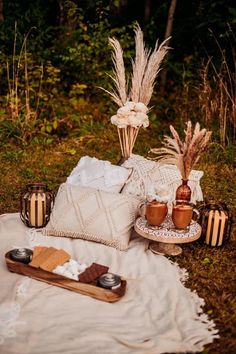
95 215
99 174
147 173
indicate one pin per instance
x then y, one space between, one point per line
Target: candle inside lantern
36 205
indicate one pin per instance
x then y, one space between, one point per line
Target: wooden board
63 282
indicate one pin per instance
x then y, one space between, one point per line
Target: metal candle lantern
216 222
36 203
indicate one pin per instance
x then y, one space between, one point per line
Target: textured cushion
99 174
147 173
95 215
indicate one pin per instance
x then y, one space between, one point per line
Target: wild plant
217 94
25 97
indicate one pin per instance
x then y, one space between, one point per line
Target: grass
211 270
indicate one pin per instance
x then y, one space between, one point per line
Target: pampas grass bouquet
133 99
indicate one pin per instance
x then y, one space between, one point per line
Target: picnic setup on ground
93 263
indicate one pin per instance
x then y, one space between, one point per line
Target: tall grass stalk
23 110
217 95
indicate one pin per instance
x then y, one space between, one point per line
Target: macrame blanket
147 173
158 314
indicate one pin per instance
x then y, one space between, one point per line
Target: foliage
217 93
25 99
71 44
83 55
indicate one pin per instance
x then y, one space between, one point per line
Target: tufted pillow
147 173
99 174
94 215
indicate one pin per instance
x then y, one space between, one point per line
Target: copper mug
182 214
155 212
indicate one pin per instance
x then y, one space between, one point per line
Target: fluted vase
183 192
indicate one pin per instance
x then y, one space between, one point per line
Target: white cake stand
167 236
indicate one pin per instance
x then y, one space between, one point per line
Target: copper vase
183 192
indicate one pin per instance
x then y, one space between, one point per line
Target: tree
168 32
147 11
1 11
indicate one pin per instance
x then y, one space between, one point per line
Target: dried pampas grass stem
146 67
121 142
139 64
127 138
119 94
152 70
183 154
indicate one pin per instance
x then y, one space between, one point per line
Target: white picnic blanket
156 315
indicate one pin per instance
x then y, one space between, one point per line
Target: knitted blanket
158 314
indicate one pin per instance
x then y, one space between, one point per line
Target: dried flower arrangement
183 154
133 102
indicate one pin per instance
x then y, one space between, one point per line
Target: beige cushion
95 215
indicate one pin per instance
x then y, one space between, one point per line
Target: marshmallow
71 269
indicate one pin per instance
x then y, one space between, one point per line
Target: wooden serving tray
58 280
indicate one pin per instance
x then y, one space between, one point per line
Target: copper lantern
216 222
36 203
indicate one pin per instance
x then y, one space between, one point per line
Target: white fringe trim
196 344
183 273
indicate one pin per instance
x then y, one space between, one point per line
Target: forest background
54 55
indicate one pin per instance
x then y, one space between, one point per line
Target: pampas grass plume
184 154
